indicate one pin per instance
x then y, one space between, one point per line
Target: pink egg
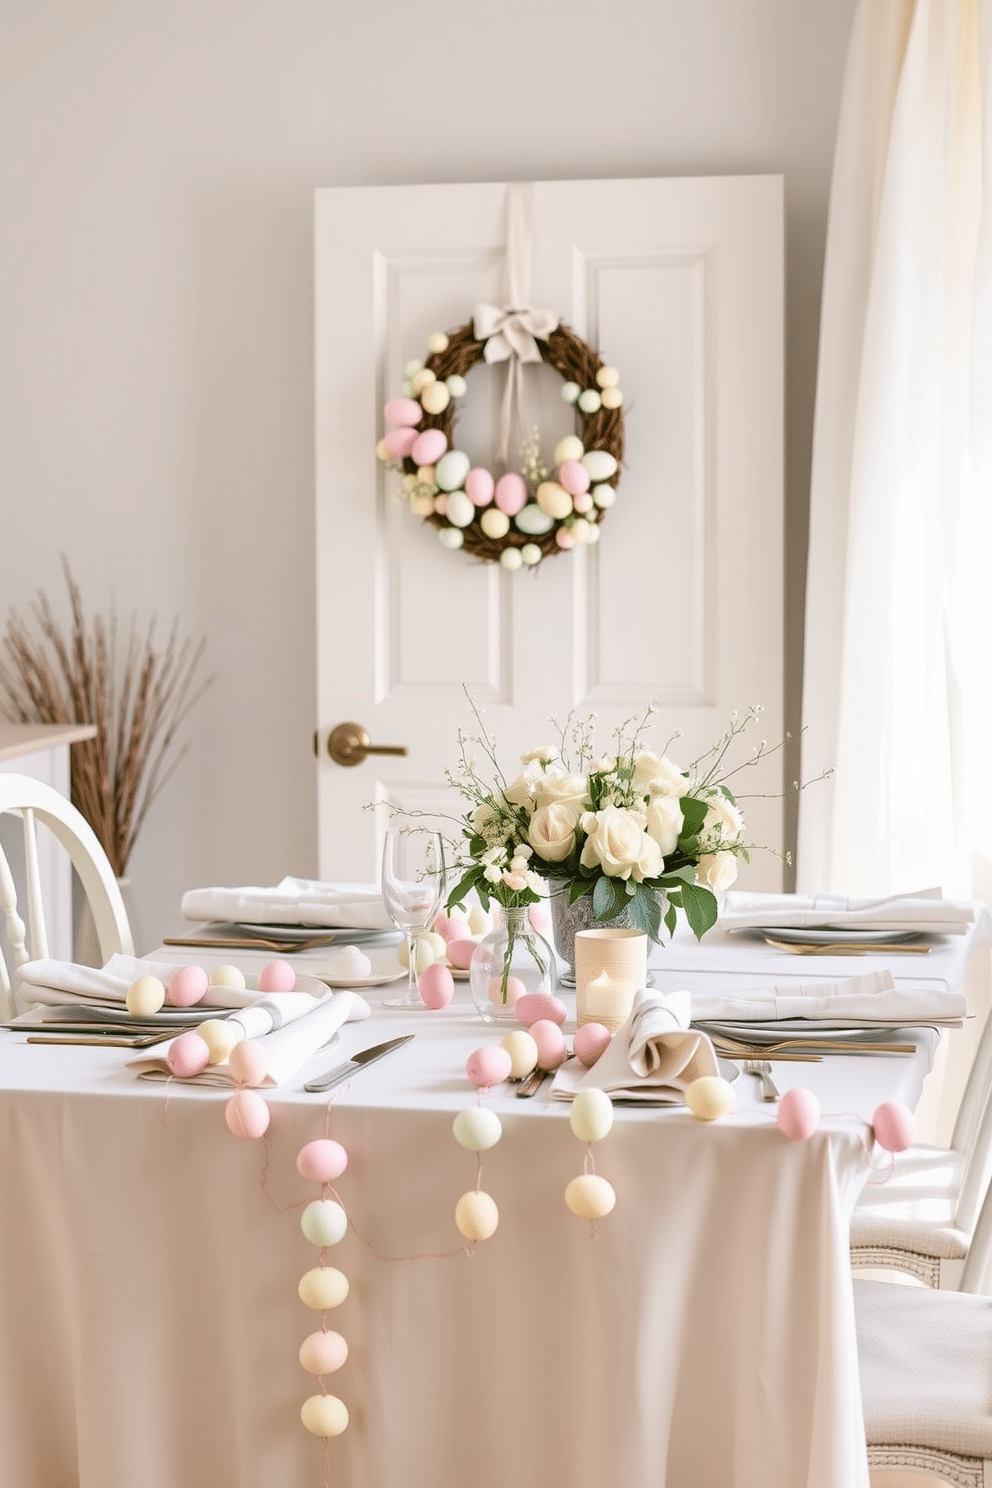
429 447
798 1114
247 1115
480 485
450 929
403 411
323 1352
511 493
248 1063
437 986
187 986
573 476
399 442
550 1041
564 538
460 951
488 1066
322 1160
508 994
278 976
591 1040
540 917
535 1005
188 1054
894 1126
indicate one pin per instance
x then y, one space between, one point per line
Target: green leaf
645 911
609 898
670 919
694 814
700 909
465 883
577 889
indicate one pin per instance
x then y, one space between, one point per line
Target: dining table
699 1335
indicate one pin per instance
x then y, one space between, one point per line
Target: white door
677 283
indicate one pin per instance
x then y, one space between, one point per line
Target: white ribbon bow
510 336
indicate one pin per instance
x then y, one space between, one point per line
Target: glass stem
411 980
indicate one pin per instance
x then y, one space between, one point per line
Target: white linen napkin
870 999
925 912
654 1056
50 981
293 901
288 1031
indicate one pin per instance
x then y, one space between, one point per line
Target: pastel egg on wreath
530 555
583 502
494 523
406 388
322 1160
554 500
452 468
589 400
710 1097
188 1054
249 1062
533 521
227 976
798 1114
591 1115
505 991
423 379
522 1050
324 1415
323 1221
574 477
511 560
412 367
435 398
488 1066
437 342
479 484
276 976
460 952
600 464
591 1040
604 496
476 1215
425 476
570 392
422 504
145 996
594 534
511 493
607 377
894 1126
428 448
187 986
399 442
611 397
322 1288
537 1005
550 1041
580 529
323 1352
382 451
437 986
590 1197
564 538
461 508
568 448
220 1037
409 482
477 1129
456 385
247 1115
403 411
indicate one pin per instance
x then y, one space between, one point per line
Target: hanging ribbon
510 333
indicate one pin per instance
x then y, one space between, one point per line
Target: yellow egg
324 1415
569 448
477 1128
494 523
510 559
423 954
437 342
591 1116
522 1050
554 500
226 976
382 451
589 1196
611 397
322 1288
422 379
710 1097
220 1038
422 504
607 377
435 397
476 1215
480 921
145 997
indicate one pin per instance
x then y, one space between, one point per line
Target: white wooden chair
921 1219
35 802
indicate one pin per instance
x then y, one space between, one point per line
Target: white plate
375 979
841 935
311 932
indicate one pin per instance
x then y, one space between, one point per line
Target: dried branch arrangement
138 702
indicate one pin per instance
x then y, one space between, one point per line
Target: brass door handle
349 744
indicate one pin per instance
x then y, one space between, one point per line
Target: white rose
521 792
665 822
723 822
555 789
542 756
617 843
717 871
552 832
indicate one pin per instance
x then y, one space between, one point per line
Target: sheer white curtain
898 656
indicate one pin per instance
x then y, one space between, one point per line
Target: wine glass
413 884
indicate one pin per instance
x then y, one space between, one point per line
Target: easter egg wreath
512 519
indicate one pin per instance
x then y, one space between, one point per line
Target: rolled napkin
293 901
288 1043
654 1056
50 981
925 912
849 1001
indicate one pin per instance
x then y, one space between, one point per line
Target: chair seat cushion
914 1208
926 1367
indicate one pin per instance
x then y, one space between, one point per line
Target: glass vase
512 960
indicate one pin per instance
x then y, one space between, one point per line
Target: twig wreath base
553 510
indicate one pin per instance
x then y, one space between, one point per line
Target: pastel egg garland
513 521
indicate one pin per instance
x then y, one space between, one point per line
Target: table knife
357 1062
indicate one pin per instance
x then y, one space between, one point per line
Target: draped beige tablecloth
149 1261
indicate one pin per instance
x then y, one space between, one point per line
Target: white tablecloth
149 1319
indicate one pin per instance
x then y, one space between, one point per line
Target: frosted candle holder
610 966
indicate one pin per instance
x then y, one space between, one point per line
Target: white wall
155 300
